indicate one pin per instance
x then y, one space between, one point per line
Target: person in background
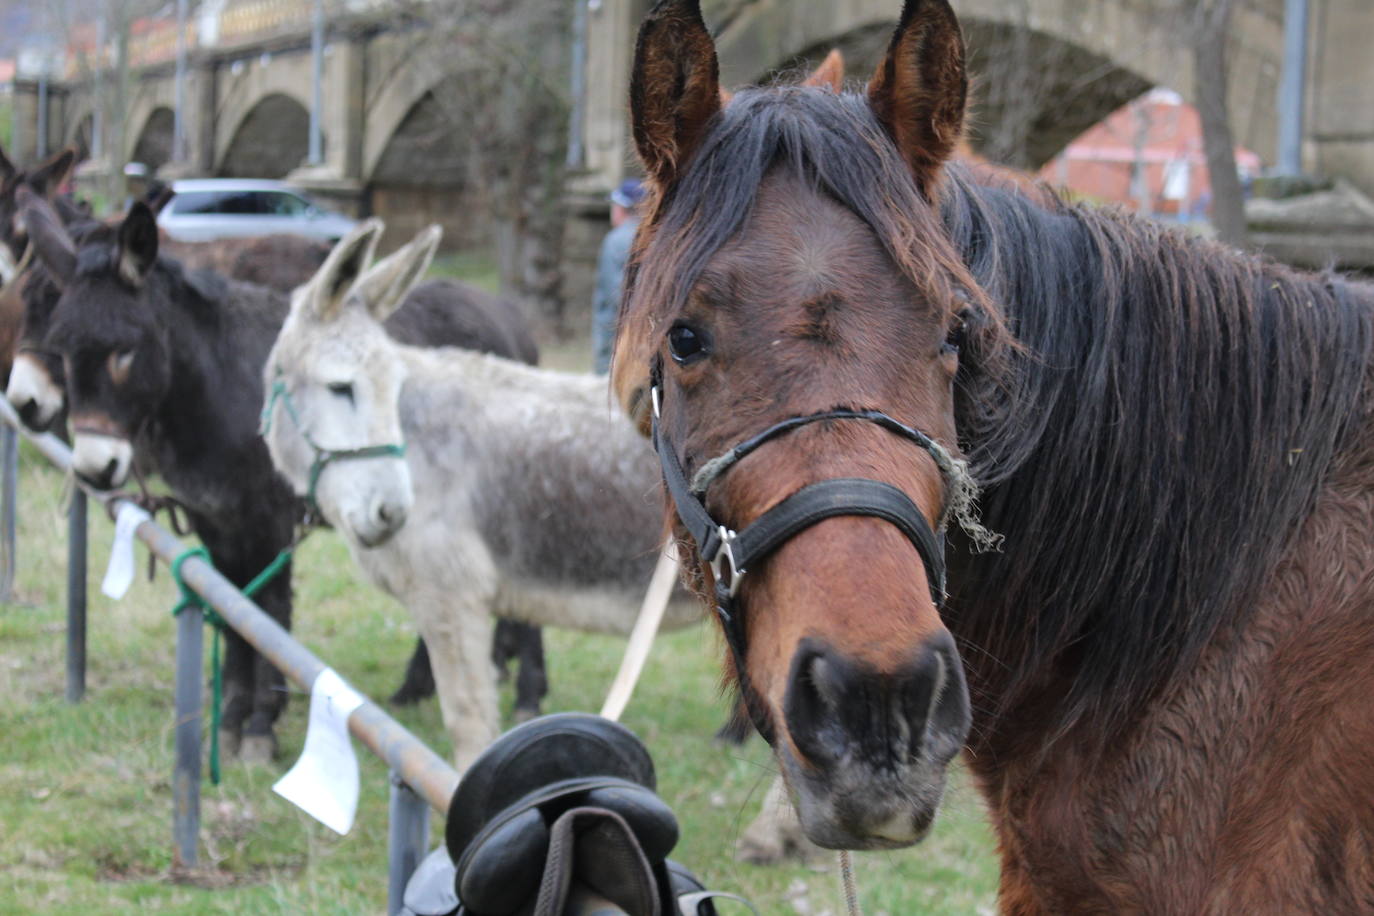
610 268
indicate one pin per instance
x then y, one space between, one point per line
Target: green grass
475 266
85 801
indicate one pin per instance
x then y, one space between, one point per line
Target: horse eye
957 332
686 343
342 389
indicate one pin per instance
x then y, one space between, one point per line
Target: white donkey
520 491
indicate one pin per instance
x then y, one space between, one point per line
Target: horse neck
1173 418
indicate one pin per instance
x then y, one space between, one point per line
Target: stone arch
153 142
1124 43
420 175
268 140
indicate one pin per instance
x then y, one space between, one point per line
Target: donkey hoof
258 749
229 744
408 695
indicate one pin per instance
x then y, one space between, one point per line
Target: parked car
204 209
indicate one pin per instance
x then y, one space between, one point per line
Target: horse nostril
813 704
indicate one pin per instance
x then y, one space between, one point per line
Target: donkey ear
674 87
384 287
47 235
830 73
158 197
340 271
920 87
137 243
53 173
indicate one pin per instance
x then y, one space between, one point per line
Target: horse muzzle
866 751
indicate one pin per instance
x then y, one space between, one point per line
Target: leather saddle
559 817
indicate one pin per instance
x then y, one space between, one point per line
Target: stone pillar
337 182
1339 132
609 156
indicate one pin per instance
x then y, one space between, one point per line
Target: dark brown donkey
168 363
1171 658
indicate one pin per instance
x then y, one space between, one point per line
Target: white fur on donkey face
32 392
342 378
345 399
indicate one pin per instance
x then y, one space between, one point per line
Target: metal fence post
76 597
9 508
186 776
407 840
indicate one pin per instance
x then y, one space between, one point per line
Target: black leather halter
719 546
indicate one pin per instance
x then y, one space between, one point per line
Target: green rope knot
189 598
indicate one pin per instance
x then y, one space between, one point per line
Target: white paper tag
119 575
324 781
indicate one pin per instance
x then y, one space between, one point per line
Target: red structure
1146 155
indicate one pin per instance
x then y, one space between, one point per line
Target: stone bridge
384 127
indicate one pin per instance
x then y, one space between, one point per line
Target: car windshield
242 203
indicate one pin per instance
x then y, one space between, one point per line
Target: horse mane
1150 447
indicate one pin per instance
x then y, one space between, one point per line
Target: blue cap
628 193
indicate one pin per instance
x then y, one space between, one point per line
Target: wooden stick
642 636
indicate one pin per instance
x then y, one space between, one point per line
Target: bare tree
1210 22
501 75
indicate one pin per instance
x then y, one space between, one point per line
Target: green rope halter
324 457
191 599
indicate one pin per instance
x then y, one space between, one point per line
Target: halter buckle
654 400
725 551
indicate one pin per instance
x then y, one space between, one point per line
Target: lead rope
851 890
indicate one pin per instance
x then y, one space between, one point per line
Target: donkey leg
418 683
269 685
236 702
532 684
458 635
776 834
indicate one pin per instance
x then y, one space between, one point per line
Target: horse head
799 318
333 384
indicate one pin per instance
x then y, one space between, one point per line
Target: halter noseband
718 545
324 457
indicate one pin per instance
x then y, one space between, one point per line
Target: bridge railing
420 778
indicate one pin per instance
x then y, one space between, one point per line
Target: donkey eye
118 365
686 343
342 389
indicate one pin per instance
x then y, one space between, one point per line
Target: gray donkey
466 486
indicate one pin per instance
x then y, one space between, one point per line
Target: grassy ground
85 801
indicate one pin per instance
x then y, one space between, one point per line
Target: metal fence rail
418 775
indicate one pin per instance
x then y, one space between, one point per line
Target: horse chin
864 809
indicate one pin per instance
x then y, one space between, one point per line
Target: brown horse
1168 661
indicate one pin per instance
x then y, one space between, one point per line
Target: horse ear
674 87
830 73
53 173
340 271
47 235
384 287
137 243
920 88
